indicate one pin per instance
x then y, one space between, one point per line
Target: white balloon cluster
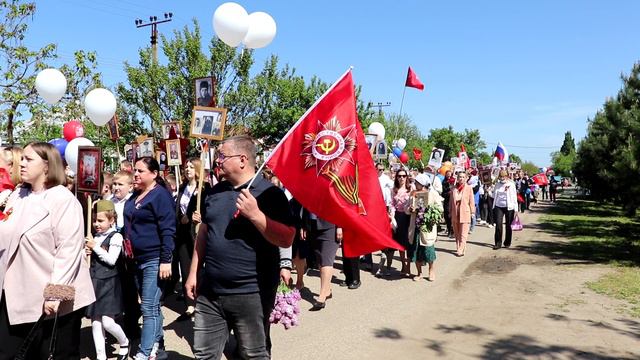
99 104
234 25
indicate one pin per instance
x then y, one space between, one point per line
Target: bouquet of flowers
287 308
427 216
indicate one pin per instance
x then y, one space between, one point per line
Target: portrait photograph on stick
89 165
435 160
112 125
208 122
204 92
168 126
174 151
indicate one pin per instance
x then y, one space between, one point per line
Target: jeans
216 315
150 288
498 214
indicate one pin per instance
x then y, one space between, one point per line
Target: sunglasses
402 176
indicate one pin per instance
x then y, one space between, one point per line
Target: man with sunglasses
242 227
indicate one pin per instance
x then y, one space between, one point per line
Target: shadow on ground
597 233
510 347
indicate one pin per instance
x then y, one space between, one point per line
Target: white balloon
262 30
402 143
71 152
231 23
51 85
378 129
100 106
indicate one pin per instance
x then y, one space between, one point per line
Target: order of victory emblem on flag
328 151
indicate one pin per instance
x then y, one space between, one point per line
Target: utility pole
381 105
153 22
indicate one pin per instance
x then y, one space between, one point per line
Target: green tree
450 140
18 64
530 168
608 158
568 146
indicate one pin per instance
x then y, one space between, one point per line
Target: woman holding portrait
42 245
150 226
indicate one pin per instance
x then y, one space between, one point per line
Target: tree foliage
608 158
568 146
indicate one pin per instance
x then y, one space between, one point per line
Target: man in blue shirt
242 228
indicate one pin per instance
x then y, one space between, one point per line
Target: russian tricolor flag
501 153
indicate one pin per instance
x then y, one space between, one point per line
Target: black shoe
318 305
496 247
124 356
354 285
343 283
507 246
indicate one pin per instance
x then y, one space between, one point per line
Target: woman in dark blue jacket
150 225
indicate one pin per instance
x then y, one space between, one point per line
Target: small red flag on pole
413 81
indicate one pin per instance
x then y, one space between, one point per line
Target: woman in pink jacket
43 273
461 206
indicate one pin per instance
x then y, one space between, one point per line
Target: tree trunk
10 117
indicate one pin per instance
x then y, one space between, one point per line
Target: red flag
540 179
413 81
5 181
417 154
325 163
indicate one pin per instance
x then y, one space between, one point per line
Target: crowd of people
228 240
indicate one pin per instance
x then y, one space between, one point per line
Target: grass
598 233
624 284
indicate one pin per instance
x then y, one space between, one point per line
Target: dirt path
505 304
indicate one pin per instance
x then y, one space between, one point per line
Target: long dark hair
153 166
396 181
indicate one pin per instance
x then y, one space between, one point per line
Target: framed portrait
462 158
112 125
135 150
421 199
371 140
128 152
168 126
495 172
454 161
174 151
161 156
204 92
513 167
208 122
435 160
473 163
145 148
381 150
89 164
485 176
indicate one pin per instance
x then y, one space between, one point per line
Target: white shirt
386 184
111 255
119 205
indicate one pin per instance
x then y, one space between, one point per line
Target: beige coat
42 242
467 207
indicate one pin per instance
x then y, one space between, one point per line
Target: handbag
516 225
24 348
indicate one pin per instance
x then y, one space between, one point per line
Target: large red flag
325 163
413 81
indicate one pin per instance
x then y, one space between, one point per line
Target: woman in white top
505 202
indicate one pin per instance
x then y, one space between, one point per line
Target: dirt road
505 304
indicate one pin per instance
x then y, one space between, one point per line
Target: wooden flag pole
203 157
89 211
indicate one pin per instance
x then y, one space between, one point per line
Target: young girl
105 249
423 229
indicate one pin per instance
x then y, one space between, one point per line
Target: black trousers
351 269
132 310
67 340
498 214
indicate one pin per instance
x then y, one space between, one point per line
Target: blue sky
521 72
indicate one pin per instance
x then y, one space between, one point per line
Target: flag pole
298 123
395 137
